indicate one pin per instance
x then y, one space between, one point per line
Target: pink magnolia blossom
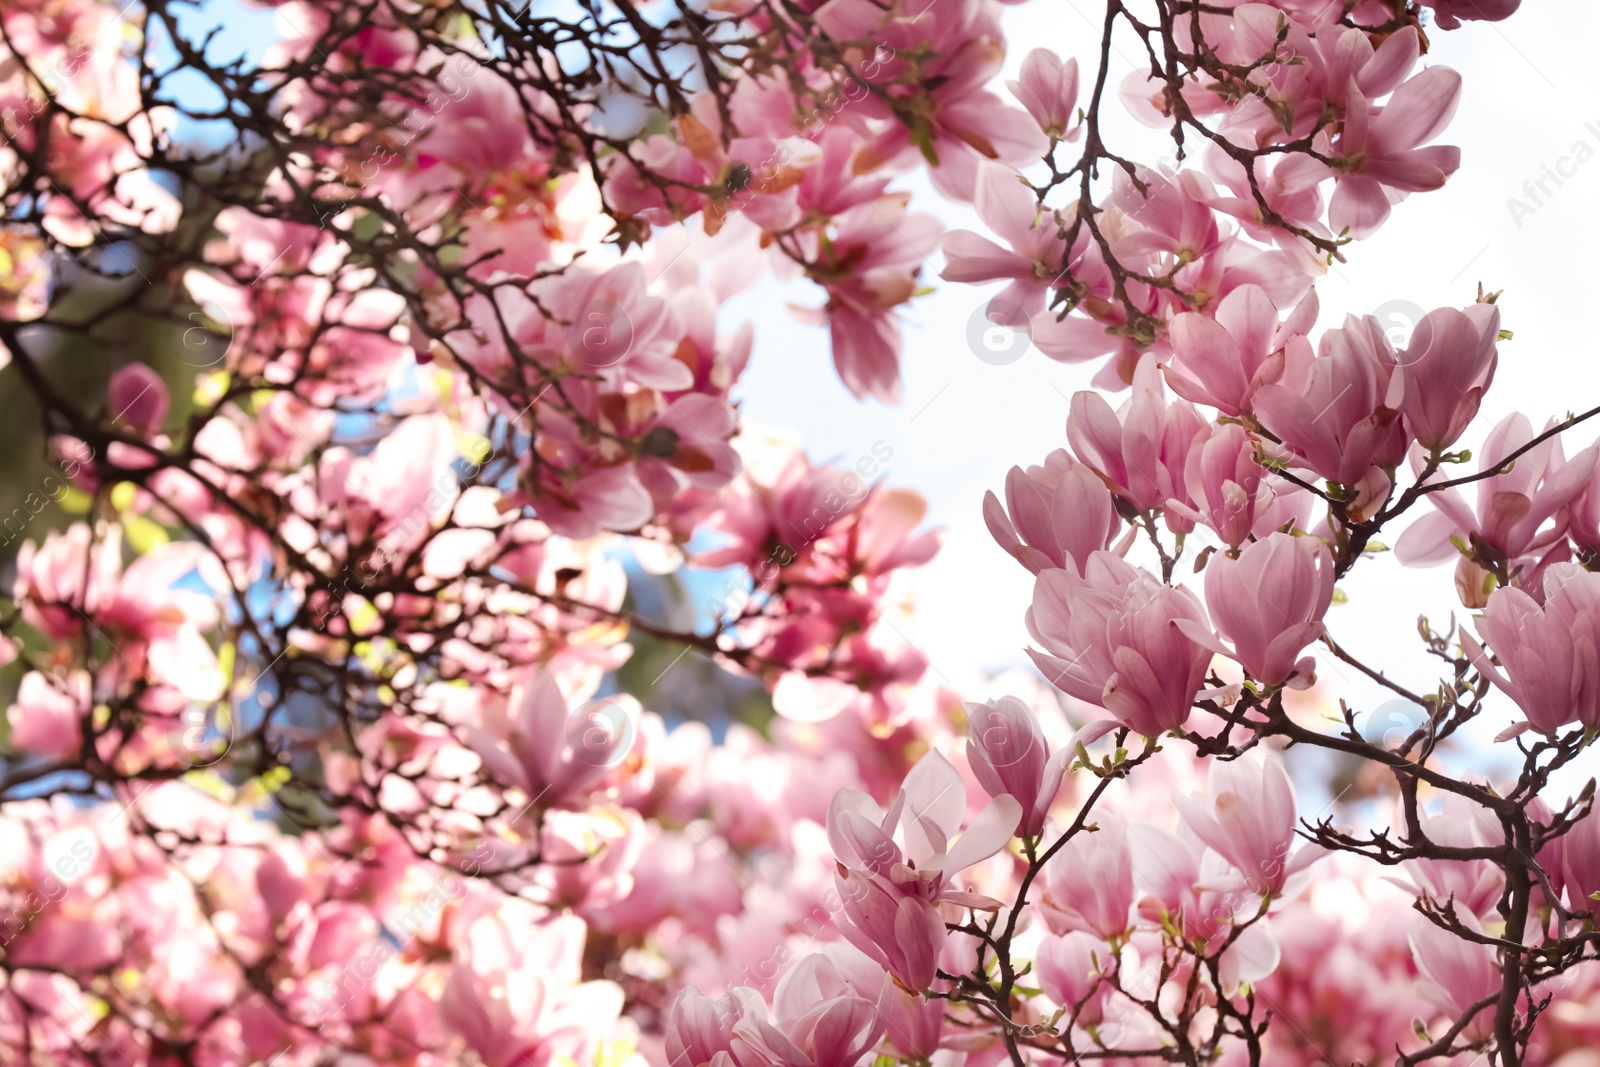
1520 512
963 123
700 1029
1056 515
869 267
1580 864
1549 653
890 887
1037 256
904 934
821 1021
1069 968
1221 359
1456 973
1387 148
913 1024
1269 602
1171 215
1142 450
532 742
1088 885
46 717
1445 371
1229 488
1449 13
1248 818
138 397
1194 893
514 992
1330 409
1010 757
1048 88
1474 885
928 812
1111 638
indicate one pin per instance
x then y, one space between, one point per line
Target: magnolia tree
415 378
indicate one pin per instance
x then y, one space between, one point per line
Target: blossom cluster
320 742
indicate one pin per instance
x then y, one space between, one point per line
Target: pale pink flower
1048 88
1056 515
889 887
699 1030
532 742
46 717
1141 451
1330 409
928 812
1386 147
1580 864
1269 602
1110 637
1221 359
1475 885
1549 653
1227 485
1088 885
1520 512
821 1021
1036 259
1010 757
1069 968
1456 973
1445 371
1248 818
